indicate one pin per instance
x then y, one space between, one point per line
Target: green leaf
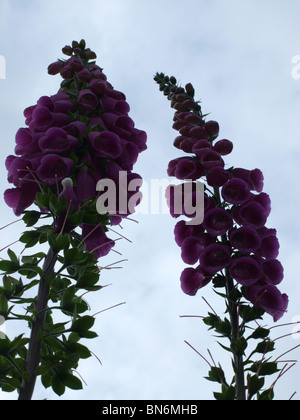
239 346
228 393
74 337
3 306
250 313
12 256
30 238
268 368
72 381
33 259
223 327
219 282
9 267
216 375
264 368
260 333
31 218
265 347
42 200
57 386
83 324
62 242
83 351
74 256
31 271
89 279
267 395
46 380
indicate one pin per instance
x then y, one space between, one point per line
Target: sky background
238 55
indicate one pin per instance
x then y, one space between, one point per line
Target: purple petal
214 258
105 144
236 191
21 198
245 270
245 239
217 222
96 241
192 280
253 214
273 271
88 100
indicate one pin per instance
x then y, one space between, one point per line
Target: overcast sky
238 55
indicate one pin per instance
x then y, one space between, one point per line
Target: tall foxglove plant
232 248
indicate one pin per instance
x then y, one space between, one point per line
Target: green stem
235 332
35 342
235 327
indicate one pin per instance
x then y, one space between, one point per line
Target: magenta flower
88 100
57 140
253 214
236 191
223 147
183 231
191 248
54 168
214 258
217 222
254 178
96 240
269 298
273 271
217 177
185 168
245 270
21 197
192 280
245 239
105 144
269 246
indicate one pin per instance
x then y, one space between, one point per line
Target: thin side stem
35 342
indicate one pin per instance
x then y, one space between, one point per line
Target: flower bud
212 128
67 50
190 89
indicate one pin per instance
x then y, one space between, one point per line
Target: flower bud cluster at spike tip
83 132
233 239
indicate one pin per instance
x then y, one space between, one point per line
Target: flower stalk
230 247
37 328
